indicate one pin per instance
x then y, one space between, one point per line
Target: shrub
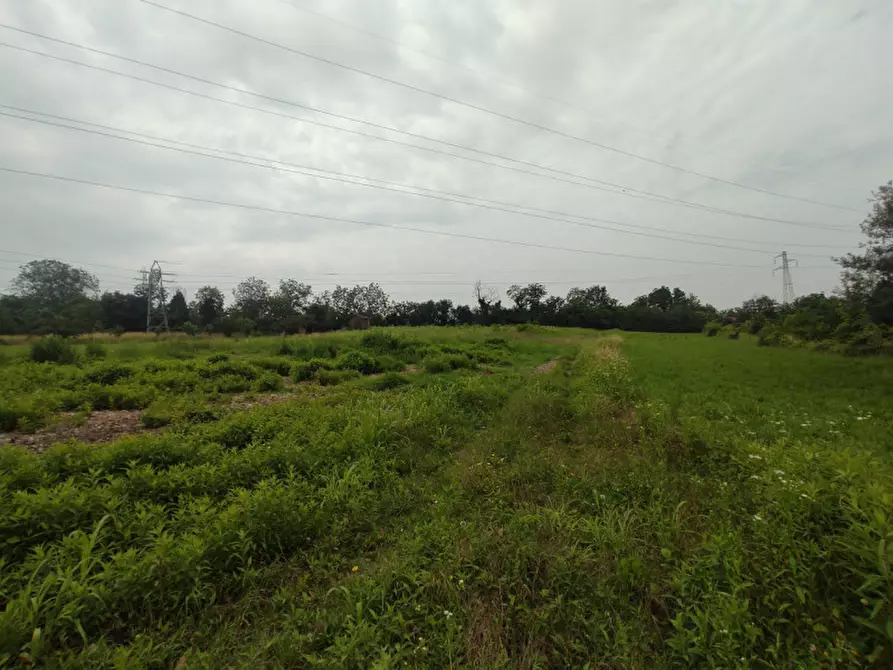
756 324
108 374
268 382
277 365
53 349
770 336
735 335
334 377
21 415
130 396
712 329
229 368
446 362
389 380
189 328
157 415
218 358
497 343
381 341
94 351
231 384
285 349
302 372
359 361
489 356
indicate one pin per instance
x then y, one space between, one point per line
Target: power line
392 226
267 160
350 277
514 84
623 190
268 164
487 110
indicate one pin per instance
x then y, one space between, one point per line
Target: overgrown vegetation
651 501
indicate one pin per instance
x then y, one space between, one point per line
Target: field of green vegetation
480 497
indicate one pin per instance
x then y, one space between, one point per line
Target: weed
268 382
53 349
387 381
95 351
334 377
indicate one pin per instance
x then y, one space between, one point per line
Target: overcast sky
793 97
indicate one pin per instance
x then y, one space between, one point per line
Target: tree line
49 296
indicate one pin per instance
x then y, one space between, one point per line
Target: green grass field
465 497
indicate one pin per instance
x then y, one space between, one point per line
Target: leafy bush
334 377
310 348
381 341
756 324
53 349
268 382
446 362
497 343
712 329
218 358
158 414
228 369
118 396
228 383
735 335
95 351
189 328
108 374
304 371
489 356
285 349
770 336
278 365
359 361
387 381
21 415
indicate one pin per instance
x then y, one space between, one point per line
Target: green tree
56 298
207 306
251 300
528 298
868 276
123 310
177 310
593 297
54 284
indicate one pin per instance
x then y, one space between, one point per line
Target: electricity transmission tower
156 297
787 284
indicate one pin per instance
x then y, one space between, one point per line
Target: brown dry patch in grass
546 368
243 401
484 634
103 426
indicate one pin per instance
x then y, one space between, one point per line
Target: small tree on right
868 276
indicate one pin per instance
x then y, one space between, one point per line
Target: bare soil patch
546 368
103 426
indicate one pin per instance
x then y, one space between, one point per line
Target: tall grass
640 505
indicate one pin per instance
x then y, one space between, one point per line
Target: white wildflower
757 517
447 614
755 457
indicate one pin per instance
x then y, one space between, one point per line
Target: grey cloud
780 96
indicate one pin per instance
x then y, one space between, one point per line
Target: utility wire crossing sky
569 143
